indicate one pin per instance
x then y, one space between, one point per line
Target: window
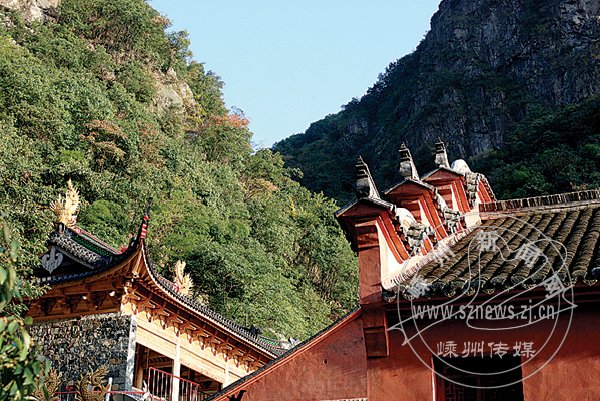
454 382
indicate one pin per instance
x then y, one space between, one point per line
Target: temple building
109 308
462 297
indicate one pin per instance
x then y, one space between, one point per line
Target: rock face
549 50
33 10
173 93
484 65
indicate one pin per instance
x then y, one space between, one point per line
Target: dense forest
103 93
548 152
510 85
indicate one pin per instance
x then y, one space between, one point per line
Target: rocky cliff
33 10
484 66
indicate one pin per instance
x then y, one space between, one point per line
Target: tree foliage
549 152
78 100
20 366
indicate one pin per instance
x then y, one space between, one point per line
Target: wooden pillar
227 380
176 370
141 353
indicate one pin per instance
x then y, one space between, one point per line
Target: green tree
20 367
77 100
549 152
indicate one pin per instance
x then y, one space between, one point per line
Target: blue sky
288 63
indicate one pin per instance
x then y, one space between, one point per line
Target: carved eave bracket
149 305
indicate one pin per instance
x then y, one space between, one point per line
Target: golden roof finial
183 281
66 209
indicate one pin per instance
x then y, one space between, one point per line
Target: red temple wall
570 375
335 368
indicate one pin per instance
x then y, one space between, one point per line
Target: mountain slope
102 94
485 66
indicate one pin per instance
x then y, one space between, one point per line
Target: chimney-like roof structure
408 170
441 157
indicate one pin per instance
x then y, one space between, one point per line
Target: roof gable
282 361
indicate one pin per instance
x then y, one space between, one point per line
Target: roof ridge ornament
416 235
183 281
65 209
441 156
408 170
472 185
144 227
365 185
460 166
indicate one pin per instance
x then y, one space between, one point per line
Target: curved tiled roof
85 249
565 228
98 257
203 310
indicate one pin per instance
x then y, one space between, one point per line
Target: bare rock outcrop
33 10
173 93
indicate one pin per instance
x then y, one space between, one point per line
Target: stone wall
78 345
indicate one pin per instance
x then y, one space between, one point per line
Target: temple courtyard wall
336 367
